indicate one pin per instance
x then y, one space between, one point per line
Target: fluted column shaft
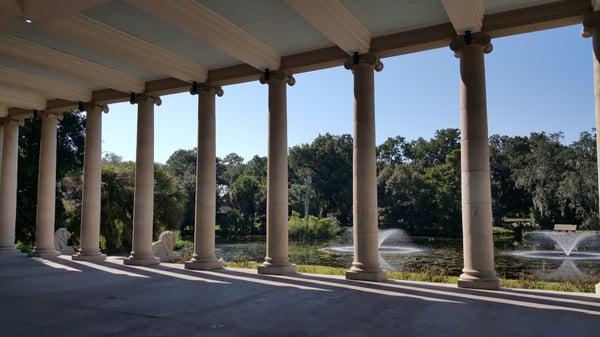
277 257
364 171
8 186
478 243
46 192
143 200
204 257
92 186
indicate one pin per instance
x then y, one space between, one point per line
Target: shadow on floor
116 299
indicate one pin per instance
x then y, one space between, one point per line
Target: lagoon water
442 252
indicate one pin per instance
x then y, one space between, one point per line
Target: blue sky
539 81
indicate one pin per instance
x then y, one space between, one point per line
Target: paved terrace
60 297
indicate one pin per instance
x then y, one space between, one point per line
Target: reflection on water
442 252
566 271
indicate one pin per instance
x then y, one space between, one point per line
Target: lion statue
163 248
61 237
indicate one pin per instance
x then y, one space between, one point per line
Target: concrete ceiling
106 49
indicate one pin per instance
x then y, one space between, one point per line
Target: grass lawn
435 275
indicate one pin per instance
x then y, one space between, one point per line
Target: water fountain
391 242
566 241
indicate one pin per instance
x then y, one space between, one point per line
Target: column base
141 261
279 269
473 282
44 253
10 251
598 288
88 257
362 275
67 252
203 265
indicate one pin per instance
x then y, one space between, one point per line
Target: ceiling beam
18 99
465 15
206 26
83 30
3 110
335 21
546 16
413 41
13 14
93 73
314 60
42 86
536 18
20 113
43 11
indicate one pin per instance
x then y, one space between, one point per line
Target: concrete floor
61 297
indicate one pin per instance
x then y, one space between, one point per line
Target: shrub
313 229
242 261
526 281
185 248
24 247
503 234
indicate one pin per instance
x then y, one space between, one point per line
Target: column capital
277 75
12 120
137 98
89 106
206 87
45 114
459 42
590 23
368 58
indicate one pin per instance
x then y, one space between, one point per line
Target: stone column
478 243
46 192
92 185
204 257
364 171
591 28
8 186
1 145
277 260
143 200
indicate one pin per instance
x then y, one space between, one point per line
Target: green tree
182 165
578 189
540 174
117 197
422 201
445 179
407 198
246 195
328 160
116 220
70 141
257 167
391 152
508 199
312 228
434 151
233 165
170 200
421 192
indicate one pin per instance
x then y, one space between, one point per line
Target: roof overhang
102 50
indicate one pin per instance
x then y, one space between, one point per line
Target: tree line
537 177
